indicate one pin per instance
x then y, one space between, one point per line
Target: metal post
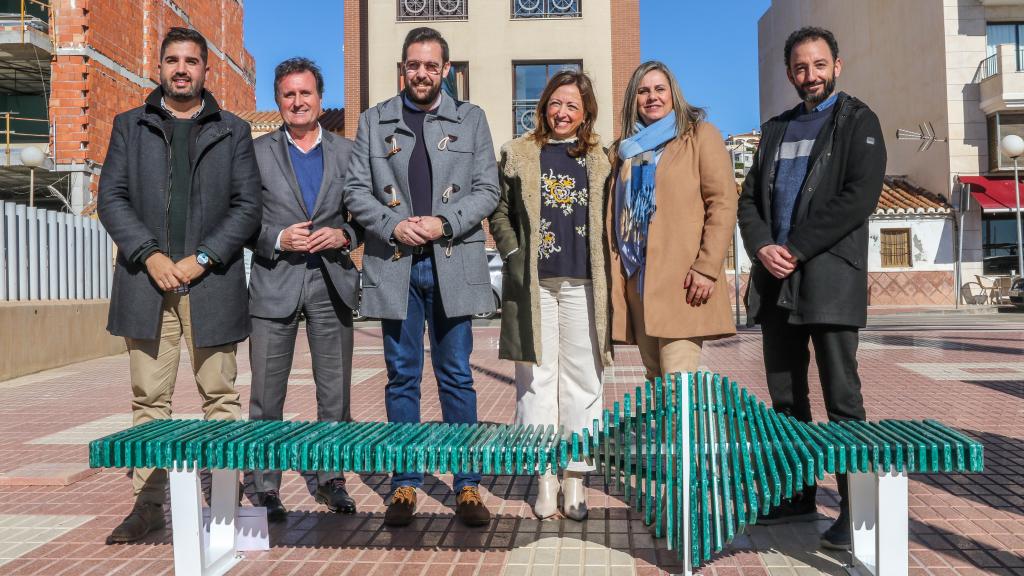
79 258
736 267
44 254
62 256
7 131
32 225
1020 252
11 227
53 266
31 187
3 253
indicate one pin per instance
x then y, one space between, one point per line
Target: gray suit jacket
463 163
276 281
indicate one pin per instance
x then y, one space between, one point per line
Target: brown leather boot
469 507
402 508
144 518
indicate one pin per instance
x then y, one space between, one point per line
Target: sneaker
271 500
795 510
335 497
144 518
838 536
469 507
402 507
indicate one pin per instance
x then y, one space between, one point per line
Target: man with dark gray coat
421 179
804 215
302 270
179 195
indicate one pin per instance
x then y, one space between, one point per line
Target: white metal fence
47 255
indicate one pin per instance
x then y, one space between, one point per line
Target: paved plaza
965 370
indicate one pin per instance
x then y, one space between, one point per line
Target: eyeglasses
432 68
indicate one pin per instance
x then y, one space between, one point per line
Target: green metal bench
701 457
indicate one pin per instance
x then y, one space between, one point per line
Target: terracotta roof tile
332 119
900 196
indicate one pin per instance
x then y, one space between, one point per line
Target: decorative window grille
546 9
412 10
896 251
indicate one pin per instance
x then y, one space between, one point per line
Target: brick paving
960 524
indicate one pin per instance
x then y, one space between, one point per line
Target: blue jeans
451 343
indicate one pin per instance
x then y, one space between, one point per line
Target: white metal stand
880 522
193 555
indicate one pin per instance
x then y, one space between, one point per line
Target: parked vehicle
1017 292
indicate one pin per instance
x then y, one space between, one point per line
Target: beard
815 99
429 99
194 88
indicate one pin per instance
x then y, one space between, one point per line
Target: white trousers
565 389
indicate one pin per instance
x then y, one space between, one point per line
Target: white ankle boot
547 496
574 496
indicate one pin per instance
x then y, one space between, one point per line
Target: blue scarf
635 191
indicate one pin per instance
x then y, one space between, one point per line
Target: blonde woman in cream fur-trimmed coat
549 229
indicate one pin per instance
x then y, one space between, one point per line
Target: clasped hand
419 230
298 238
778 260
170 275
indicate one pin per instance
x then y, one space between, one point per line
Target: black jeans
786 360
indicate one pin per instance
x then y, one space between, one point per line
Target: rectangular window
896 248
1000 125
546 9
997 33
998 244
414 10
529 79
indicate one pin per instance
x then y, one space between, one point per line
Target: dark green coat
515 226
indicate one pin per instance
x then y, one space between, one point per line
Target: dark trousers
451 343
272 346
786 361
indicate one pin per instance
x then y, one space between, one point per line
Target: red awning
994 195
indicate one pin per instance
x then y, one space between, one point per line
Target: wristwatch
446 228
203 258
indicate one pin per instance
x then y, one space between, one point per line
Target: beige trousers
565 389
660 355
154 368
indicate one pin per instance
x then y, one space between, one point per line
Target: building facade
67 67
952 64
502 53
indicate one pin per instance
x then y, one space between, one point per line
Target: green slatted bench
700 456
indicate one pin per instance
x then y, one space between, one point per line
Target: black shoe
469 507
402 507
335 497
271 500
838 536
144 518
800 509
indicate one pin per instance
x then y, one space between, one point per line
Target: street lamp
33 158
1013 146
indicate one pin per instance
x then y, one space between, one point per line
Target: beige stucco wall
892 60
40 335
490 40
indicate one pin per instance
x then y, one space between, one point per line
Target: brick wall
356 83
87 93
625 50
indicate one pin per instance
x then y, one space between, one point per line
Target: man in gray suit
301 270
421 179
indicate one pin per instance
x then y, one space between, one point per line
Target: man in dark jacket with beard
804 215
179 195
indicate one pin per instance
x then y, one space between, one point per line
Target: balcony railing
990 66
413 10
546 9
525 114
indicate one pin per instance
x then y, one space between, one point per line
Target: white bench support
193 554
880 522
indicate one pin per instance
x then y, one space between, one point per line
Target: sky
711 47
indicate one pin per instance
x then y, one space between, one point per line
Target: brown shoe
469 507
402 507
144 518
